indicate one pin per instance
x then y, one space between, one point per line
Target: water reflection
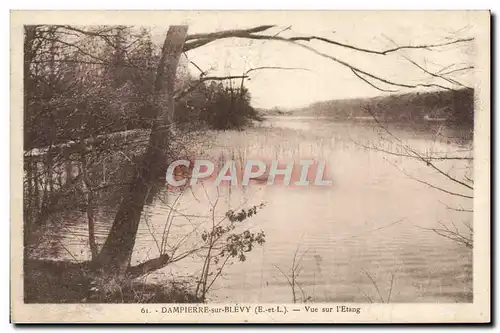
367 227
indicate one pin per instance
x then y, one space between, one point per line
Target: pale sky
325 79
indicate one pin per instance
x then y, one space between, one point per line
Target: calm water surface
369 225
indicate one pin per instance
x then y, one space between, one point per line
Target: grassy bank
48 281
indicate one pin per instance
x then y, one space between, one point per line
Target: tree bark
148 266
88 187
117 250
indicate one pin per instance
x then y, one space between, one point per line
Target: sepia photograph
203 166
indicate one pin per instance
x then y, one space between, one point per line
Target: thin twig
375 284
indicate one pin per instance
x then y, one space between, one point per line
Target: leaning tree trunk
117 250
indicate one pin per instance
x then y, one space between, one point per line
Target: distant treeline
456 107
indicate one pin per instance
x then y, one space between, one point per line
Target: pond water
364 238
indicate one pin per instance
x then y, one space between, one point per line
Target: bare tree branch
275 67
371 84
222 78
248 33
416 154
456 70
461 209
103 34
384 52
148 266
430 158
454 235
375 284
436 75
203 39
245 75
439 76
202 72
78 48
229 33
427 46
431 185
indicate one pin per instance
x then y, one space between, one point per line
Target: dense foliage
455 106
93 137
86 82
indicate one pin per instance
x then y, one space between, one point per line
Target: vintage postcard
250 166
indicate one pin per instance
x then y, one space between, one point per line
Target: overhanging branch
198 40
245 75
202 39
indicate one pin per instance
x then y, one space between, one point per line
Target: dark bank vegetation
92 96
105 111
455 107
102 80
